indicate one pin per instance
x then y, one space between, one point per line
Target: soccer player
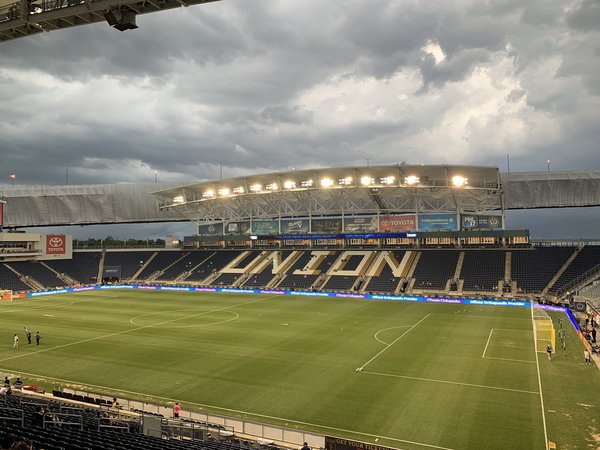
586 355
549 351
37 337
16 341
28 334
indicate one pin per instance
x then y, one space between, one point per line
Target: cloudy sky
267 85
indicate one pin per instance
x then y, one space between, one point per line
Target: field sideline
433 375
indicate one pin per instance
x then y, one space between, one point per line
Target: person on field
586 355
176 410
28 334
37 337
549 352
16 341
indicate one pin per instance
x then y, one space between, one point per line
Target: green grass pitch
433 375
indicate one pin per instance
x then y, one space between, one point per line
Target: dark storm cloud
267 85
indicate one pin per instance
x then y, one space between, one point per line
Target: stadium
365 307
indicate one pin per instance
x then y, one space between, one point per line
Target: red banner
56 244
402 222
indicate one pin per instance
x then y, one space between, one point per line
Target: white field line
230 410
390 328
458 383
513 329
394 341
117 333
231 319
537 363
487 343
510 359
60 305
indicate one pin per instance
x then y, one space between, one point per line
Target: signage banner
329 225
265 227
473 221
404 222
211 229
294 226
56 244
111 272
365 224
429 222
237 227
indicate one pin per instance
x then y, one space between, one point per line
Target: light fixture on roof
178 199
272 187
388 180
306 183
347 181
224 192
208 194
366 180
122 18
411 179
289 184
255 187
238 190
326 182
459 181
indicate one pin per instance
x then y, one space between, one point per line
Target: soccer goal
544 330
6 294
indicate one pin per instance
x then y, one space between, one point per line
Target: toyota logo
55 242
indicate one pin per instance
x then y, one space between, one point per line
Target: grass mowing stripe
117 333
237 411
394 341
537 363
458 383
509 359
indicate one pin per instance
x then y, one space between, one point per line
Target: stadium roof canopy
346 190
485 190
28 17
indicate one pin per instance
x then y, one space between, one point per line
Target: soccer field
433 375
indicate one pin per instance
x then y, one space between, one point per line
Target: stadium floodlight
388 180
345 181
326 182
179 199
289 184
459 181
208 194
224 192
272 187
238 190
255 187
366 180
411 179
306 183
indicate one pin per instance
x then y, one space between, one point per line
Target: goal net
6 294
544 330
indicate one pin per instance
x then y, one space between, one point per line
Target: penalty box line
393 342
458 383
503 359
117 333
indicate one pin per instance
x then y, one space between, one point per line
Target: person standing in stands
16 341
176 410
37 337
305 446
